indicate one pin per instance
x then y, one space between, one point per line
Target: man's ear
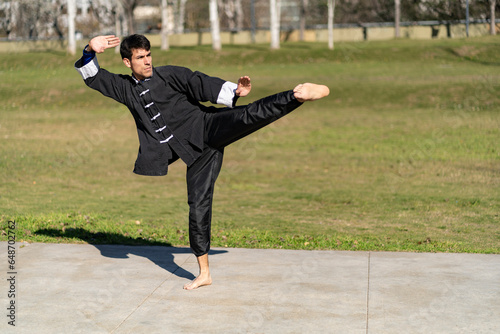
126 61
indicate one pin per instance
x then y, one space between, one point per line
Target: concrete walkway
125 289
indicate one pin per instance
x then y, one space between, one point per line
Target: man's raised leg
227 126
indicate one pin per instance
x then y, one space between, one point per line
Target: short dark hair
133 42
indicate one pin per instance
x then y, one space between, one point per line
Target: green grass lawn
403 155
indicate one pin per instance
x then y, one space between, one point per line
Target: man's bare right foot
201 280
310 92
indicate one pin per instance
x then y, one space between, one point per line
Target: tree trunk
493 28
130 23
228 7
71 27
303 14
118 13
467 18
164 25
331 16
214 25
128 8
181 17
274 7
239 15
397 17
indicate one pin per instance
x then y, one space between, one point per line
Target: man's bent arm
227 95
230 92
202 87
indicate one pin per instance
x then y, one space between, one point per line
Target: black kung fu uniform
171 123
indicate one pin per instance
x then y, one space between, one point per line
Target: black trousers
221 129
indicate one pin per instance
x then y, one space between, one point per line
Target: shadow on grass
471 58
118 246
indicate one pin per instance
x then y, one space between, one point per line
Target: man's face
140 63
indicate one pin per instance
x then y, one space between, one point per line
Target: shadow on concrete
118 246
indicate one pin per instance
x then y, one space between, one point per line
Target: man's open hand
244 86
101 43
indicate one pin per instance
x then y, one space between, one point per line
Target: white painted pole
71 27
331 17
214 25
397 17
164 25
493 28
274 11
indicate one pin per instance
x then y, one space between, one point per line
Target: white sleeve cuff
227 93
89 70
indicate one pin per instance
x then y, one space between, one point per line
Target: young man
172 124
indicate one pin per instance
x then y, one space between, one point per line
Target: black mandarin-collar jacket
166 109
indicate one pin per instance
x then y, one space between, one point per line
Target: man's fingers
112 41
244 86
101 43
245 81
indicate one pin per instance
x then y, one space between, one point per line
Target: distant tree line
34 19
361 11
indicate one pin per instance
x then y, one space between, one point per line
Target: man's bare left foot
310 92
202 280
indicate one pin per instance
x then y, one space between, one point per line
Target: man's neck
137 80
